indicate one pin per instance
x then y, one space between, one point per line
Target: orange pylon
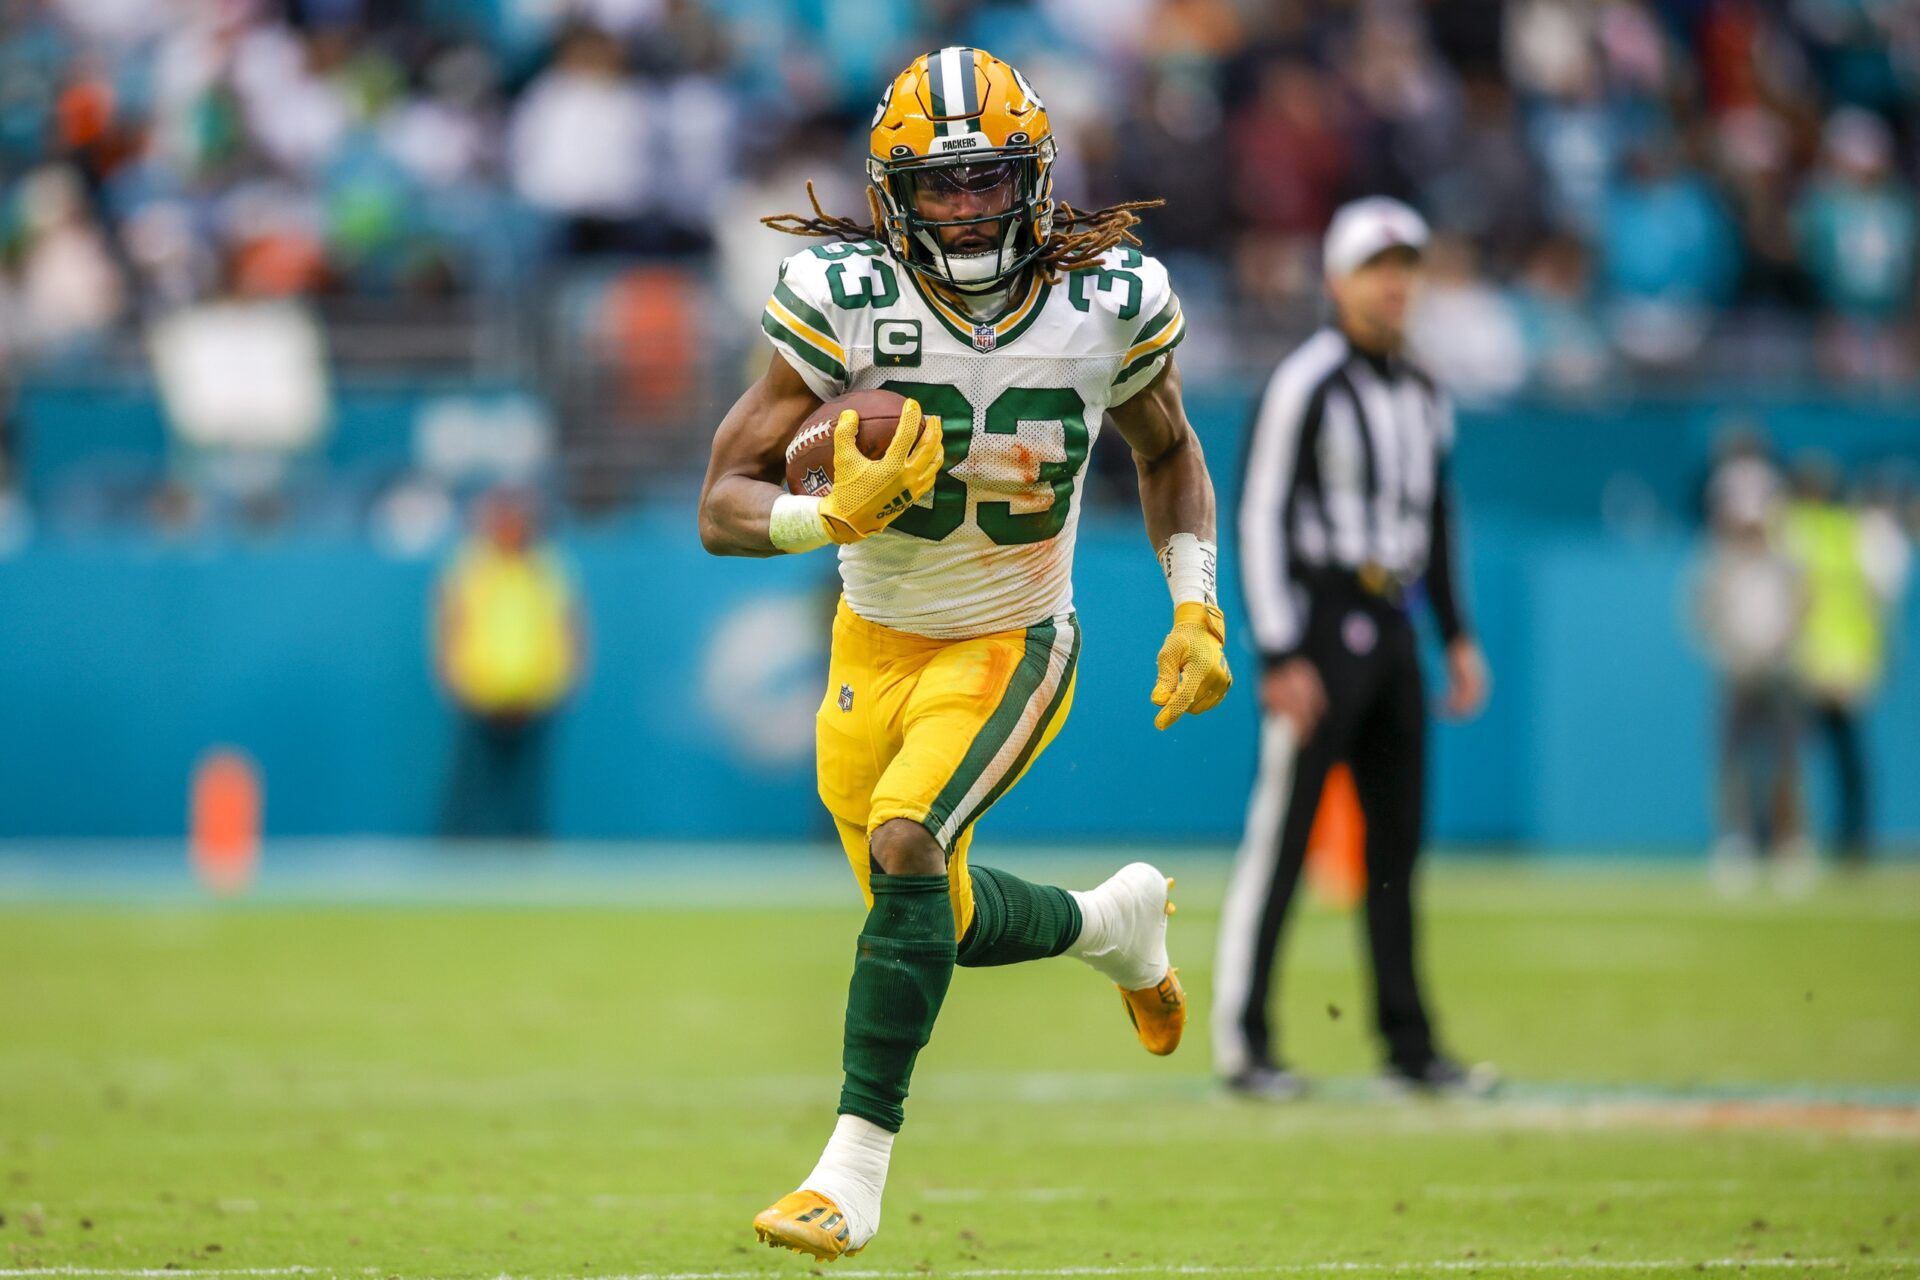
1337 845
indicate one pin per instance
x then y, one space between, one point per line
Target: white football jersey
1020 398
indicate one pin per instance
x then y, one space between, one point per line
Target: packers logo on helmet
961 160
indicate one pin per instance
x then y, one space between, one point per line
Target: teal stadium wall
125 660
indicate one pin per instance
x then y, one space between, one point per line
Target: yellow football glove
1193 664
868 493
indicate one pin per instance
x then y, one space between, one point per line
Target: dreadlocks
1078 239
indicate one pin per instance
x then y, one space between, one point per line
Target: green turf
573 1091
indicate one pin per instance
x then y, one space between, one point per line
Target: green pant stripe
1027 677
1039 733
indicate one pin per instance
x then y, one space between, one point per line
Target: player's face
953 193
1373 299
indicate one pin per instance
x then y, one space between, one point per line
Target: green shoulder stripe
794 303
1161 320
793 342
1150 357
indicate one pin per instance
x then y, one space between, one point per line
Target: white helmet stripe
954 86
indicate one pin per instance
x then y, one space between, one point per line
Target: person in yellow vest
1842 653
508 650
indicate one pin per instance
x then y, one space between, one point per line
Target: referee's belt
1370 579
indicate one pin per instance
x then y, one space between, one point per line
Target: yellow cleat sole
805 1222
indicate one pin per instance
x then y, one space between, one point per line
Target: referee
1346 510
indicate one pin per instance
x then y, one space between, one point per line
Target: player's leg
1119 928
1012 920
1388 758
904 957
1266 869
902 965
1855 826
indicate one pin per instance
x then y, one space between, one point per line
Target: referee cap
1366 228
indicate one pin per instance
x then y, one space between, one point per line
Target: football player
1013 324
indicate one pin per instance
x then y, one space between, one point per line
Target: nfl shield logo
846 697
984 337
816 482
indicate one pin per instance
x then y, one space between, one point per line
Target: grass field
613 1084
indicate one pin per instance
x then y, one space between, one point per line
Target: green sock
900 976
1015 920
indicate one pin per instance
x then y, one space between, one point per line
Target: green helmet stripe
937 90
969 85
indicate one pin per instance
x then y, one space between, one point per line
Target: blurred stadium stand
524 237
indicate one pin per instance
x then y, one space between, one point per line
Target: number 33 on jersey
1020 397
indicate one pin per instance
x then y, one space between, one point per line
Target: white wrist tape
795 524
1192 569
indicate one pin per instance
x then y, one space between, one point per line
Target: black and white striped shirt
1346 470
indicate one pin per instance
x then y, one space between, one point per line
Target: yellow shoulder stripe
802 329
1167 333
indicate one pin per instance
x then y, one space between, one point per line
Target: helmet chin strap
975 269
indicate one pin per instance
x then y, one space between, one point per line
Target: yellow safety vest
508 636
1842 642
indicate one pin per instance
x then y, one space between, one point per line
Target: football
810 454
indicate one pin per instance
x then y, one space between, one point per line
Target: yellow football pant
935 731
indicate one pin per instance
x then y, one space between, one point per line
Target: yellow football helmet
961 140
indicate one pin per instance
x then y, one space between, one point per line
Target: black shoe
1267 1084
1442 1077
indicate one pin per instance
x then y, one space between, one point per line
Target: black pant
1839 723
497 786
1366 653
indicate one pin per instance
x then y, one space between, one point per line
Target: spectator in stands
448 136
1291 161
1668 255
579 144
1566 351
1487 185
508 646
1858 233
1749 602
1466 330
71 291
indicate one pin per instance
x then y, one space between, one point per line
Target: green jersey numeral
1004 416
881 289
846 249
949 509
1009 409
1106 279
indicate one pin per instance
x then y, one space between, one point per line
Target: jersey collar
1023 307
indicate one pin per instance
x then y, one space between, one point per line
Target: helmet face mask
961 142
968 222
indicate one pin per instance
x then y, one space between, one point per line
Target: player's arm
1176 496
748 463
1467 678
745 510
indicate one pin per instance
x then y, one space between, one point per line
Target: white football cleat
1124 935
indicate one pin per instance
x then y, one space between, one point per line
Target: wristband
1192 569
795 524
